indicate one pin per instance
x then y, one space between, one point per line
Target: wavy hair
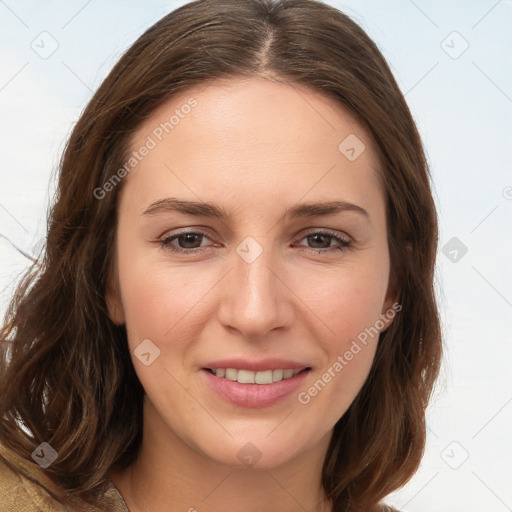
66 376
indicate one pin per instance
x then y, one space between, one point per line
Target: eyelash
165 243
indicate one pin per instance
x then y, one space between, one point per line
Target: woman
235 309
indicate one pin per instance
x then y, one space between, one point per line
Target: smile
249 388
252 377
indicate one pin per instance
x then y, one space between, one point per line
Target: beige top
19 491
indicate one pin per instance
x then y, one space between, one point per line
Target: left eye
324 240
191 241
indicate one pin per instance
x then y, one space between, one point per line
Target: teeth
287 374
265 377
250 377
277 375
231 373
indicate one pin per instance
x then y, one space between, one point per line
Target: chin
257 450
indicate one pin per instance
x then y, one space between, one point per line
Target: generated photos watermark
304 397
151 142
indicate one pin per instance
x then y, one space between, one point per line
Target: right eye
187 242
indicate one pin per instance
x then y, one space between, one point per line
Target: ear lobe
113 299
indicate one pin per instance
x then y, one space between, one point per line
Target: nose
255 299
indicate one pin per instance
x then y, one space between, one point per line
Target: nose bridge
254 300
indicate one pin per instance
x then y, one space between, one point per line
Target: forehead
254 107
269 137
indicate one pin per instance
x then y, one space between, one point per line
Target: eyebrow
201 209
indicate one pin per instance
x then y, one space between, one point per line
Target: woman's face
252 236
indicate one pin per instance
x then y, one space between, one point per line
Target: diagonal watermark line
3 290
421 79
284 489
298 92
424 14
307 192
421 489
166 165
502 296
75 15
432 432
280 423
387 112
3 3
486 14
492 211
14 218
185 314
501 408
217 486
326 326
198 402
76 76
490 490
492 81
21 251
14 76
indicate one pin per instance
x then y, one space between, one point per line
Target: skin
255 147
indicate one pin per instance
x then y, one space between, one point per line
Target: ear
390 307
113 298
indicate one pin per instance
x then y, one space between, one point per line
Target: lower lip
254 395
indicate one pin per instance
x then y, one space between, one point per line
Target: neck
171 476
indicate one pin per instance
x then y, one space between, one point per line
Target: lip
257 366
254 395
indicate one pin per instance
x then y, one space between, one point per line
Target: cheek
347 300
348 353
334 388
349 303
158 303
157 299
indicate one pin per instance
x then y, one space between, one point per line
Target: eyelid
203 231
328 231
165 240
345 243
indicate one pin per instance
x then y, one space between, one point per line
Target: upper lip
256 366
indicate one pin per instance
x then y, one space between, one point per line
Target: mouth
255 389
263 377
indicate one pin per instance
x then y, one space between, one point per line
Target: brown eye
188 242
321 241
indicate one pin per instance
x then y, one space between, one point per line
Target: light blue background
463 108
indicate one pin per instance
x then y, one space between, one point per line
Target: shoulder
24 487
19 494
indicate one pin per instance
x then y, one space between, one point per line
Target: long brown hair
66 374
